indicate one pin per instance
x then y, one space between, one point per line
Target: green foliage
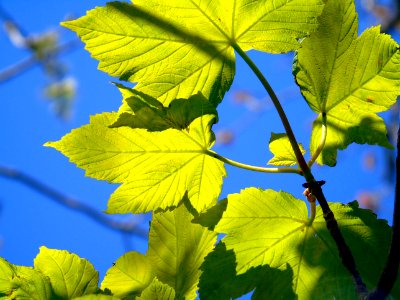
158 147
349 79
157 168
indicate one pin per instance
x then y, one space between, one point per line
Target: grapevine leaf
272 228
157 169
177 249
176 48
30 284
70 276
280 146
211 216
142 111
157 291
130 275
348 78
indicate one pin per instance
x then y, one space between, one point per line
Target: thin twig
51 193
390 272
32 61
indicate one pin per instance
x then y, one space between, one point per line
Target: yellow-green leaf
176 48
177 248
265 227
70 276
157 169
280 146
130 275
348 78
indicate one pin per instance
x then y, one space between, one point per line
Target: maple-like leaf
157 169
280 146
348 78
265 227
176 48
177 248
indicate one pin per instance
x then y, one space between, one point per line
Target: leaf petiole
322 141
250 167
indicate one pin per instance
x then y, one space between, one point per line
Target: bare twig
49 192
32 61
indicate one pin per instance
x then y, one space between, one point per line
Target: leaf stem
299 156
250 167
322 141
313 212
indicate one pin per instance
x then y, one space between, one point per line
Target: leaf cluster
158 147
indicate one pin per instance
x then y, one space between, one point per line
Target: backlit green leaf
97 297
130 274
177 248
6 274
271 228
157 169
142 111
348 78
70 276
29 284
280 146
157 291
219 280
176 48
211 216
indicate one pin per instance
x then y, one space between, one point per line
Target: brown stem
71 203
344 250
390 272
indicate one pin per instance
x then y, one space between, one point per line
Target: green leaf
349 79
157 169
6 274
70 276
130 275
271 228
176 48
219 280
280 146
97 297
177 249
211 217
30 284
157 291
142 111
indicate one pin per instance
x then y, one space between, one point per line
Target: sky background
29 220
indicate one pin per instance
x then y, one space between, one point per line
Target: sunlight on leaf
176 48
70 276
177 249
142 111
284 155
349 78
130 275
157 169
157 291
271 228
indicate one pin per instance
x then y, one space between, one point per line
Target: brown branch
71 203
32 61
390 272
333 228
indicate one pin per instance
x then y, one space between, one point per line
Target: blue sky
29 220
